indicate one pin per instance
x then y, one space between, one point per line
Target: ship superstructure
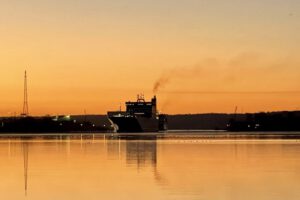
140 116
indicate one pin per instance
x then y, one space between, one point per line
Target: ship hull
135 124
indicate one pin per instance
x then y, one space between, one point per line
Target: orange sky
211 55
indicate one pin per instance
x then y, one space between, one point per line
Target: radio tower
25 103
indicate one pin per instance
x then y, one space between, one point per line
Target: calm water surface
175 166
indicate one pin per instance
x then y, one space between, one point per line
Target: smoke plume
246 73
182 73
161 82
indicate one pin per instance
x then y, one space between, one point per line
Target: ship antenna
25 102
140 98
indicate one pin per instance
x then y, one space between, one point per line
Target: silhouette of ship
140 116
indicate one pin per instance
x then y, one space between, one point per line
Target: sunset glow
204 55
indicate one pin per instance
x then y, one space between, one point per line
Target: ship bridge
142 107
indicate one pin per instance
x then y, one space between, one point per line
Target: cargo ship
140 116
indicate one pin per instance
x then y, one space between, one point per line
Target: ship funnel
154 107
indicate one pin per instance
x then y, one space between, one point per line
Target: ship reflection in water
148 167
